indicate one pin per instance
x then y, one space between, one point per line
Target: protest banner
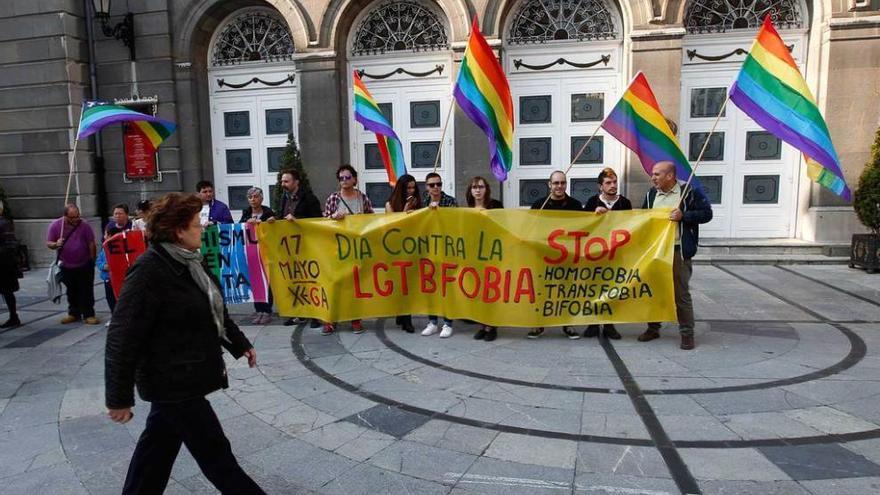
121 251
233 256
499 267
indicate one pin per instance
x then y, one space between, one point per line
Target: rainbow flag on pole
483 94
366 111
98 114
771 90
637 122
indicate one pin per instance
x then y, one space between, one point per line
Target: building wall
44 53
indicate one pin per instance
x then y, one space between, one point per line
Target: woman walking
256 213
404 198
9 270
166 337
479 195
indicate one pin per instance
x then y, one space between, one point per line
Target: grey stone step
703 258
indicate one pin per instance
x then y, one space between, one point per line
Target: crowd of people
174 355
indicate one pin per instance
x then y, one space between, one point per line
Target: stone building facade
238 75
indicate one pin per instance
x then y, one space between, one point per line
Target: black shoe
571 334
591 331
491 333
534 334
316 324
290 322
609 332
408 327
481 333
11 323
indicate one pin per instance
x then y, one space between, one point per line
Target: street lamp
123 30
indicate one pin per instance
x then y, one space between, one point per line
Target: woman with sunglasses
479 195
404 199
347 201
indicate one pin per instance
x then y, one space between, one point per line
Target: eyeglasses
344 177
434 184
558 183
475 186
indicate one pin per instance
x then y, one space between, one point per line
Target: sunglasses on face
434 184
344 177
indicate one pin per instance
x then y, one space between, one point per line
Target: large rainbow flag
637 122
366 111
483 94
771 90
98 114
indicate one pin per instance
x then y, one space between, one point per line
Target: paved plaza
781 396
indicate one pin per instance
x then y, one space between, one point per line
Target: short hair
254 190
121 206
431 175
67 208
144 205
469 195
348 167
171 213
556 172
203 184
294 174
606 173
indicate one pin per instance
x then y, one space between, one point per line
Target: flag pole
703 150
443 133
70 171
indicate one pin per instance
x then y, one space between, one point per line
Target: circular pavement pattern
782 395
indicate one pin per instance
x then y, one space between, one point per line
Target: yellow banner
513 267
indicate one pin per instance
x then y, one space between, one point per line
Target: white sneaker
429 330
446 332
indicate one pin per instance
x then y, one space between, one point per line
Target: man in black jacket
558 199
607 199
688 213
296 203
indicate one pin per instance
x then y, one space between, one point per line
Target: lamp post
123 30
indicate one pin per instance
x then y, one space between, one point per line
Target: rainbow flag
771 90
483 94
637 122
98 114
366 111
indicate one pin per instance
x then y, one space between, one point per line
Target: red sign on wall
140 156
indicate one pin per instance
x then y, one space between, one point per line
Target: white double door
249 135
417 108
749 175
555 113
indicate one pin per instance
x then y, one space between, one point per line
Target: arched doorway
750 176
253 99
564 64
402 50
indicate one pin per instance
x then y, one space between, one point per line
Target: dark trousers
110 295
264 307
684 305
80 283
194 424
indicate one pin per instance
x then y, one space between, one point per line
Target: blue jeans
433 319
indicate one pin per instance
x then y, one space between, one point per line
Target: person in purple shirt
74 241
218 212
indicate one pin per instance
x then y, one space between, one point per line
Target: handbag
53 281
53 278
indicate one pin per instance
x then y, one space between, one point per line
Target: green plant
866 199
290 160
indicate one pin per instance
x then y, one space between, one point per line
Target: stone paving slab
781 396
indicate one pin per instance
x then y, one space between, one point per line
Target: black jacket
594 202
162 336
247 212
568 203
308 206
695 210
